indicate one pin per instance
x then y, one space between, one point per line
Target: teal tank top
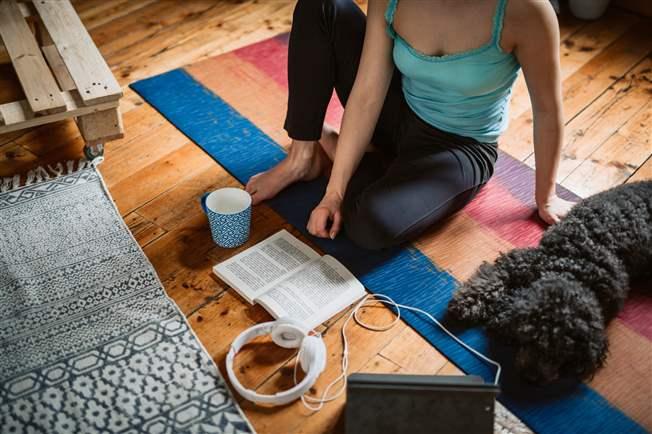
464 93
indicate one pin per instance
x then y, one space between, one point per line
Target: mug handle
202 201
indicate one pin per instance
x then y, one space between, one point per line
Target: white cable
369 300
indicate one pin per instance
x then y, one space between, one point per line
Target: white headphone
288 333
285 333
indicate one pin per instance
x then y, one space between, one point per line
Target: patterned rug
90 341
233 107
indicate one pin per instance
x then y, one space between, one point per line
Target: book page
258 268
314 293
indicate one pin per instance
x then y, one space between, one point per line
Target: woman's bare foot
305 161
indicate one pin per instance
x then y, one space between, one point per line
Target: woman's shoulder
525 19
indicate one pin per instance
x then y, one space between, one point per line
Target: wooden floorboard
156 175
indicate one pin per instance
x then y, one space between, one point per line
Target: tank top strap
389 17
499 18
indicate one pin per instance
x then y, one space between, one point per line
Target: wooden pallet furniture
61 71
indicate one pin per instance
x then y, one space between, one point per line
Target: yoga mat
405 274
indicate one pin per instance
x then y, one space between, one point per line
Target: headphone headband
288 334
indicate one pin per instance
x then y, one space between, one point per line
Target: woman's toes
301 165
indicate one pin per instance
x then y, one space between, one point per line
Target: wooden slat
107 11
58 67
102 126
143 230
154 147
29 161
160 176
616 159
13 156
217 36
18 115
413 353
86 66
40 88
158 17
27 11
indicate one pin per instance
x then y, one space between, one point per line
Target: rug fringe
45 173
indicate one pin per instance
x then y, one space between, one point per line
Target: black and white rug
89 341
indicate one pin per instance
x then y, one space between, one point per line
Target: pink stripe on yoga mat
271 57
497 210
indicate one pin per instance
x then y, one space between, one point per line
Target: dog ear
481 297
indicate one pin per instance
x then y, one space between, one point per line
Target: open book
291 280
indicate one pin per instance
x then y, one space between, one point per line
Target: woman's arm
360 116
537 49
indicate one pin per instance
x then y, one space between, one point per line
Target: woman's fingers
548 217
555 209
318 222
327 210
322 223
337 223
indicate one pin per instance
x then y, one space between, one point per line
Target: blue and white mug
229 215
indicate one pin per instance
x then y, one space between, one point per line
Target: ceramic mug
229 215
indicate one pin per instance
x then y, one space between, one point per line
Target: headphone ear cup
313 352
288 334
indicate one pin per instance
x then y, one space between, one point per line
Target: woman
427 84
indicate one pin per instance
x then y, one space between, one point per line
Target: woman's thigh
417 190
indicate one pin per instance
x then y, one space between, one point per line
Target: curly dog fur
552 303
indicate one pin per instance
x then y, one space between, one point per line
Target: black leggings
418 174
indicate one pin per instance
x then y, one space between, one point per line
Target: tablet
415 404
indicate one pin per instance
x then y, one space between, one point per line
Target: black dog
552 303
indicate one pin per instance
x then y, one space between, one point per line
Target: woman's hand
329 209
554 209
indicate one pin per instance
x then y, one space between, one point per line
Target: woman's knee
368 226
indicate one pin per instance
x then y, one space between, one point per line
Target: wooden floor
156 174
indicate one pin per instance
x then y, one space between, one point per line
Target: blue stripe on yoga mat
404 274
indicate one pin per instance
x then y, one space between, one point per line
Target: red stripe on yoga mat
497 210
271 57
